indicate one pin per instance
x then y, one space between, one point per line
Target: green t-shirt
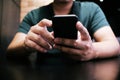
89 14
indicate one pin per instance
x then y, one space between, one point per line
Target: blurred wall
9 20
27 5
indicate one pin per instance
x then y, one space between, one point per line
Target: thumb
83 31
45 22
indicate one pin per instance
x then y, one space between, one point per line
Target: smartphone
64 26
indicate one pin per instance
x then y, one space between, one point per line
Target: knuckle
34 46
43 21
33 28
37 38
87 46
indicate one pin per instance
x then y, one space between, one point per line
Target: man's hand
38 38
80 49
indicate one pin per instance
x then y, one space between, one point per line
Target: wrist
96 53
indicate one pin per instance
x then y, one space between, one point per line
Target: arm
17 44
106 44
38 38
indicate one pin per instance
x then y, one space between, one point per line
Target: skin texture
83 49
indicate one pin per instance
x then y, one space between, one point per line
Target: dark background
111 8
10 17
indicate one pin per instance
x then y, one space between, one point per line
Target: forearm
17 45
106 49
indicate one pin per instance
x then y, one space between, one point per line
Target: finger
52 33
43 32
69 50
78 54
45 22
63 41
39 40
71 43
81 45
83 31
34 46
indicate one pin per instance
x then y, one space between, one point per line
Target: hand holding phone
64 26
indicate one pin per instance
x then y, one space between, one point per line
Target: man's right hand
39 38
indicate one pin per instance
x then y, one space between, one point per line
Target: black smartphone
64 26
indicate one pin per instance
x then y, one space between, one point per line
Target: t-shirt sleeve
98 18
26 23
